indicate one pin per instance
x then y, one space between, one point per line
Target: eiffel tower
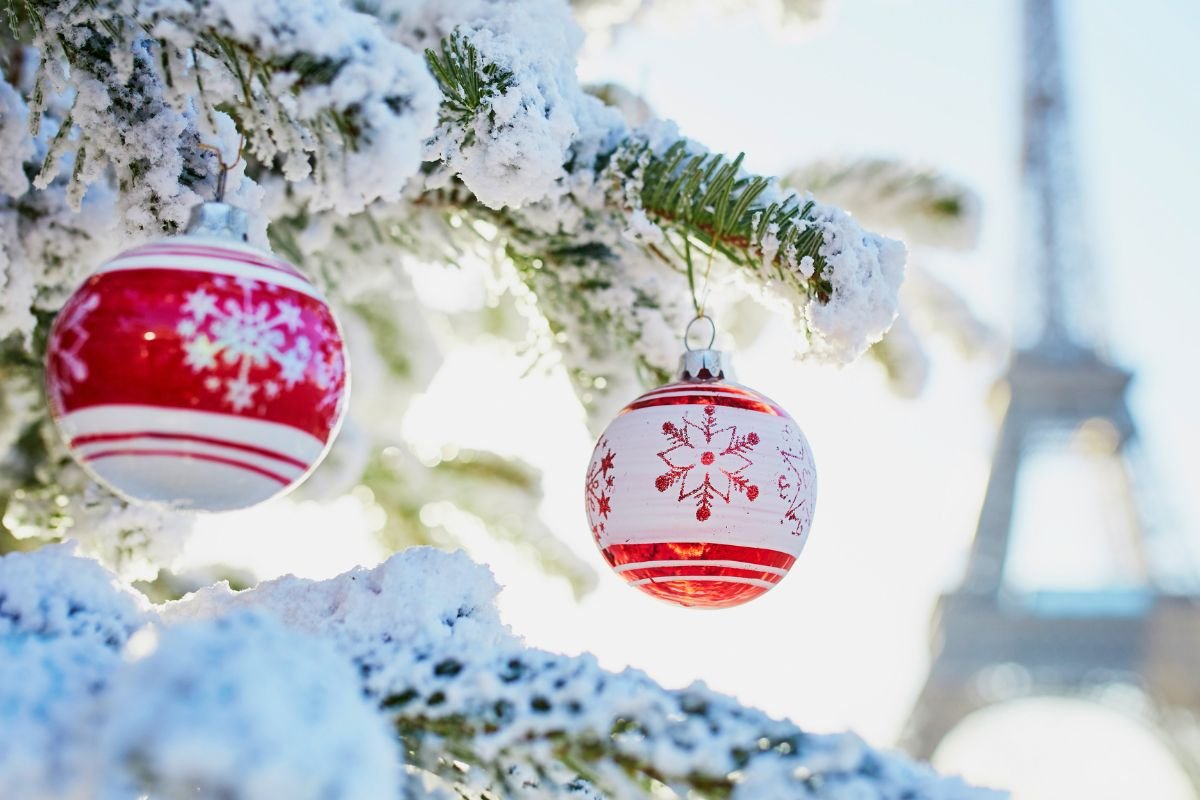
993 641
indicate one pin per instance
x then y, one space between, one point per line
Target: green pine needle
707 201
466 83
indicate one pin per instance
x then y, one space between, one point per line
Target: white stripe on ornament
283 439
711 578
701 563
193 240
217 266
200 481
276 465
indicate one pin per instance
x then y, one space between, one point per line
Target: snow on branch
97 700
241 707
310 83
64 622
319 689
371 162
676 200
842 279
291 689
338 103
495 719
932 210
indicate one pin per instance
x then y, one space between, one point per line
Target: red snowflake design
795 481
599 490
66 362
704 471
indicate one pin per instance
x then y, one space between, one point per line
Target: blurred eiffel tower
993 638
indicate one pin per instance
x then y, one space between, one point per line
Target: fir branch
14 21
566 279
23 15
288 94
706 203
466 82
706 200
709 202
536 712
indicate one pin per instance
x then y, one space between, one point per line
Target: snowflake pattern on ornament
327 374
795 481
600 483
246 333
704 471
72 336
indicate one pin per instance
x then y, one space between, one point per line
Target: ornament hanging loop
225 169
687 332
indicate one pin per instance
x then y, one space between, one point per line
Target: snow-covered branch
370 160
932 210
312 84
291 689
678 202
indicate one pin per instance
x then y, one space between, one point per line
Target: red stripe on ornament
91 438
202 251
658 573
719 394
707 400
703 594
185 454
691 386
703 551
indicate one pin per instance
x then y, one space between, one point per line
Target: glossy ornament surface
197 372
701 493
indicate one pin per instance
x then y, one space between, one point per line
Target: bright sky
842 643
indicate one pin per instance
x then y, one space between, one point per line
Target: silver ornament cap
705 365
220 221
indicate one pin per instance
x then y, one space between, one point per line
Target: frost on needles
397 681
343 119
383 140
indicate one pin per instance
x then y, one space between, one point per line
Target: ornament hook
687 333
219 194
703 364
216 218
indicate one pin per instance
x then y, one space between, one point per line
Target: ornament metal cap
219 220
704 364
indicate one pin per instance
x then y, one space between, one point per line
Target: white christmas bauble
701 493
197 372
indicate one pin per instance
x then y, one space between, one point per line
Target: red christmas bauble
197 372
701 493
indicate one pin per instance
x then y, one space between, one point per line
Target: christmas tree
372 144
